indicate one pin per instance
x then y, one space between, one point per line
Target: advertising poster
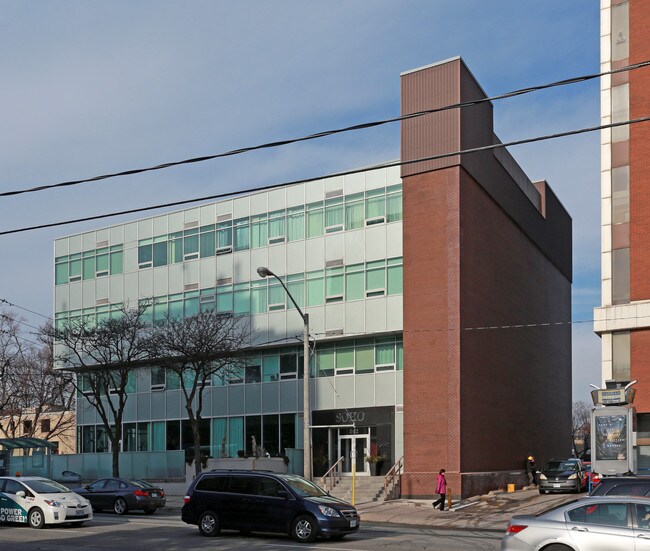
611 437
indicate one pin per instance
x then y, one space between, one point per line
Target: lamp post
306 410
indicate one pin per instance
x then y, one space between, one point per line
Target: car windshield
303 487
561 466
45 486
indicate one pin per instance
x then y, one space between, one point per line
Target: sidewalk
490 511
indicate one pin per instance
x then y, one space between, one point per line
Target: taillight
515 528
186 499
162 493
141 493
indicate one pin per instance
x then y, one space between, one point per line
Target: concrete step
367 489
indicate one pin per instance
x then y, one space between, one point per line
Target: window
315 288
375 278
191 244
334 284
270 368
620 195
354 211
315 219
603 514
277 227
269 487
394 203
242 485
252 373
288 368
213 484
224 237
27 426
344 361
620 276
258 229
157 378
364 356
295 223
325 362
621 356
375 207
277 295
207 241
334 215
354 282
384 355
241 234
145 253
160 251
45 425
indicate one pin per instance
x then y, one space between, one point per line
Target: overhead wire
332 175
361 126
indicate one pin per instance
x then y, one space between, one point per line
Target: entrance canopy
25 443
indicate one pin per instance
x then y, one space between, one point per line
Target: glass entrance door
354 448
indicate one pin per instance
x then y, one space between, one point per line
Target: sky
88 88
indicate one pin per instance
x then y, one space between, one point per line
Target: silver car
612 523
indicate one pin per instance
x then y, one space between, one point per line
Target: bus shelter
25 455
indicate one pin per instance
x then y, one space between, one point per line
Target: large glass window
271 434
621 356
224 237
375 206
334 214
315 219
288 367
620 31
621 276
325 361
241 231
334 284
621 195
394 203
277 232
354 211
191 244
315 288
364 356
375 278
394 276
207 242
270 368
258 231
295 223
160 247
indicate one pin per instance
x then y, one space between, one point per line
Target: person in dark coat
530 471
441 490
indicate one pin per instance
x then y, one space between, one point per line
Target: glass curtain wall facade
336 244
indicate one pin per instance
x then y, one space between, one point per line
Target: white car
39 501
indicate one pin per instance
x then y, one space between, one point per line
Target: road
167 532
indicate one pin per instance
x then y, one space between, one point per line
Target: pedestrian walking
530 471
441 490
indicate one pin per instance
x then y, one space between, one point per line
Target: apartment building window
88 265
621 276
354 211
621 195
45 425
620 112
277 221
621 356
334 214
27 426
375 207
620 31
315 219
295 223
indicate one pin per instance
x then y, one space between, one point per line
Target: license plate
557 485
79 512
353 524
154 494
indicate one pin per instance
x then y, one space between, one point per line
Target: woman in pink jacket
441 489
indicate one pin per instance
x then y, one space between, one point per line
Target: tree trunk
197 447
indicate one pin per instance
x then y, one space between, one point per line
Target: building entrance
354 449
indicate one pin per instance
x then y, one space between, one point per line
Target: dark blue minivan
264 501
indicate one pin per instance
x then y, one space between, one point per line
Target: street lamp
306 411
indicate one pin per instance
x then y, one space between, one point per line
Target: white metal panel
208 271
334 316
375 315
191 215
277 199
375 242
88 291
75 295
145 228
242 267
175 278
315 256
131 232
355 316
394 241
241 207
160 225
102 290
295 195
223 207
61 298
385 389
355 183
260 257
334 184
295 257
160 281
145 284
253 393
314 191
175 222
131 286
277 325
207 214
74 243
61 247
324 396
355 246
345 391
116 235
394 312
364 386
190 272
130 257
277 259
258 203
375 179
88 241
334 246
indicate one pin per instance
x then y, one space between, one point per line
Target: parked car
252 501
123 495
587 524
622 486
562 475
38 501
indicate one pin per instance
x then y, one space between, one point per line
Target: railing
332 476
393 481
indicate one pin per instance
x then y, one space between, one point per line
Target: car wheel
150 511
209 524
119 506
36 519
304 529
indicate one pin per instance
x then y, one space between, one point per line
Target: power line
326 133
333 175
4 301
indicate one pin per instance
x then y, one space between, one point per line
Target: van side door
275 505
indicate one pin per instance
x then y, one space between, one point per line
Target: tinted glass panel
629 490
604 514
242 485
212 484
268 487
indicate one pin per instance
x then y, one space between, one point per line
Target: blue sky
95 87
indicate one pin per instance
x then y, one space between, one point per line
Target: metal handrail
332 476
393 480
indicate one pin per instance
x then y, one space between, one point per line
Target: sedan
588 524
123 495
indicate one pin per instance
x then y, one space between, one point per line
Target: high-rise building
623 320
438 297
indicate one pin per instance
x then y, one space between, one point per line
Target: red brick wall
431 414
639 155
640 368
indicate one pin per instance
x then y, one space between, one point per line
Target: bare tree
103 356
197 348
581 425
31 391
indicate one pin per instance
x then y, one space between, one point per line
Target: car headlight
573 476
328 511
53 503
542 477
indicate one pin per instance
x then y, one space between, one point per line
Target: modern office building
438 295
623 320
